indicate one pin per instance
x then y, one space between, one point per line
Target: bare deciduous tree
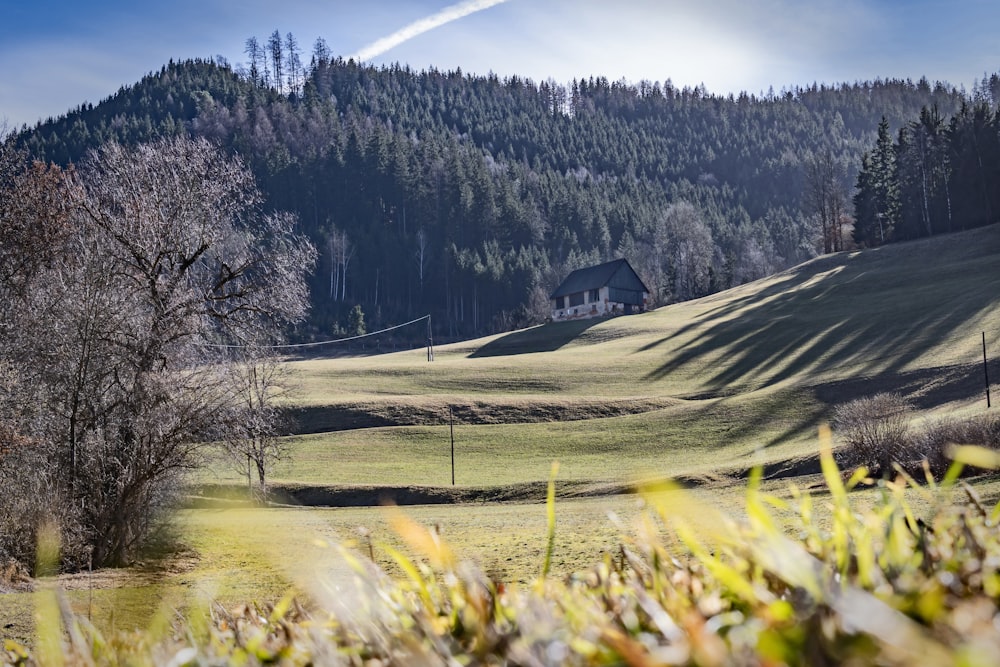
257 379
341 252
34 225
690 250
420 257
169 255
825 197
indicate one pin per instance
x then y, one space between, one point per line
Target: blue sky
56 54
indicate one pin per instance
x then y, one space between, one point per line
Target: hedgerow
791 583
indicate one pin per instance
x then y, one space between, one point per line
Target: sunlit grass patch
836 575
686 438
709 381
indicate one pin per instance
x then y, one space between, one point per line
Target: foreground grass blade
550 516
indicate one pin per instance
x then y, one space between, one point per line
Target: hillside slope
891 314
707 387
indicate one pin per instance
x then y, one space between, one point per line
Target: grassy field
901 311
709 386
240 555
702 390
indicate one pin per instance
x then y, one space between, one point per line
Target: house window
595 295
559 303
576 299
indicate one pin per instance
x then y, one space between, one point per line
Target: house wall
600 308
626 279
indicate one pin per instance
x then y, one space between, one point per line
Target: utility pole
430 341
451 427
986 371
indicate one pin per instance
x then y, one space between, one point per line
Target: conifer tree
876 204
974 152
276 49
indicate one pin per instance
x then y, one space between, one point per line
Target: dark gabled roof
594 277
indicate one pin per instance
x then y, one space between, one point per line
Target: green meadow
700 392
703 388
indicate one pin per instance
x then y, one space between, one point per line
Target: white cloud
408 32
631 40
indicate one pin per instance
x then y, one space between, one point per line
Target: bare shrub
33 498
14 576
875 431
935 437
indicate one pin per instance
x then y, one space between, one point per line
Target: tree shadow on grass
869 314
925 388
543 338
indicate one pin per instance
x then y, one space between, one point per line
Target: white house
612 288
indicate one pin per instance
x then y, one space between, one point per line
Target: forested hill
470 197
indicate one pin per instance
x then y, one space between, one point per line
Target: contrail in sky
446 15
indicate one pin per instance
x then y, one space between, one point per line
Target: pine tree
294 61
974 150
255 52
876 204
924 168
275 47
867 229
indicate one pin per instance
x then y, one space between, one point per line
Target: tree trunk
923 188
